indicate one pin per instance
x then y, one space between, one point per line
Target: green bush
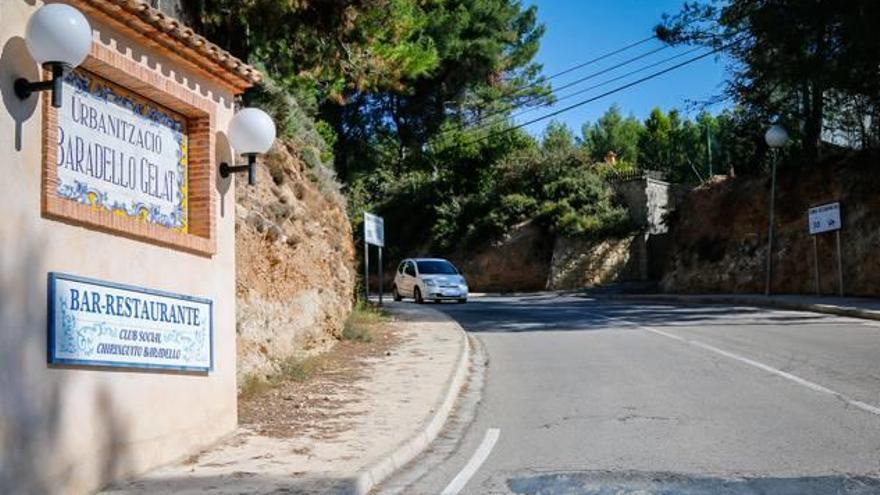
481 193
581 203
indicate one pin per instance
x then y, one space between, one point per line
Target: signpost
374 233
822 219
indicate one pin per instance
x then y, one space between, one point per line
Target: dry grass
360 327
363 318
309 396
292 369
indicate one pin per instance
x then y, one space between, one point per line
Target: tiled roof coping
179 40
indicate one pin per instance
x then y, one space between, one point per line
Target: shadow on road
540 313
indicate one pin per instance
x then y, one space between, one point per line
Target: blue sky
580 30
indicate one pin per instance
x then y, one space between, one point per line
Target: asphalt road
589 397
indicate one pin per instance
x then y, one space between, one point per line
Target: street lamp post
776 137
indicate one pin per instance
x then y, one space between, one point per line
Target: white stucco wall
70 430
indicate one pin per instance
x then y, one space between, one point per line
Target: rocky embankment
294 263
580 262
520 261
530 258
719 233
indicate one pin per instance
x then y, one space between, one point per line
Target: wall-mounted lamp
59 38
251 131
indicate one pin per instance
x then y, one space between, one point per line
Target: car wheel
462 301
417 295
396 295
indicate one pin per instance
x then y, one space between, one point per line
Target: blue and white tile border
67 338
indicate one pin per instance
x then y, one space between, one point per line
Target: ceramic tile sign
96 323
121 152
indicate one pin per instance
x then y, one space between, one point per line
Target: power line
608 93
599 58
483 118
588 62
481 121
608 81
612 68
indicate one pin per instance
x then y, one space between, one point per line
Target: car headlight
463 287
430 282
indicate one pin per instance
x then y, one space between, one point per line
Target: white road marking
476 460
751 362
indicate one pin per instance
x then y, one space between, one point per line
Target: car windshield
436 268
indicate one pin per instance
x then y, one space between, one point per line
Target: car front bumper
443 293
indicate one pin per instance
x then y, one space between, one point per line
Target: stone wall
518 262
719 234
648 201
529 258
578 263
640 256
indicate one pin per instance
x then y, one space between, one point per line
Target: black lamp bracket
251 168
24 88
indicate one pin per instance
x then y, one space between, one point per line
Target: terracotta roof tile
180 33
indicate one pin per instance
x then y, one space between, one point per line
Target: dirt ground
310 405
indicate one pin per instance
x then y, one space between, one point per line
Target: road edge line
473 464
367 479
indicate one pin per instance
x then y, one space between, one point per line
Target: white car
429 279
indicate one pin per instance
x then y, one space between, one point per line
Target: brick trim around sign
199 112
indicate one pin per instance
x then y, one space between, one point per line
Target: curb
366 479
829 309
540 293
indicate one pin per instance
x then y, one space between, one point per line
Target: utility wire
608 93
608 81
588 62
598 59
612 68
481 121
593 75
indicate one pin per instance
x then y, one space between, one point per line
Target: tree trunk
813 123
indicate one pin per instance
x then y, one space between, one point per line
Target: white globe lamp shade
58 33
251 131
776 136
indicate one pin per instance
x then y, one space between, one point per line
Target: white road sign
374 229
824 218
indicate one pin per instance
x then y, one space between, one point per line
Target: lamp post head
776 136
251 131
58 34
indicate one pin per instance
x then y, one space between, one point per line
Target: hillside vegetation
414 105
